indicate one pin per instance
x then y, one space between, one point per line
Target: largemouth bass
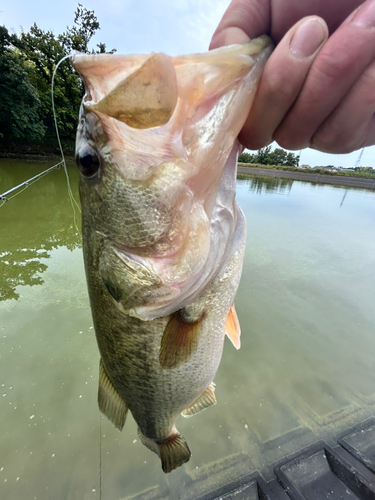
163 237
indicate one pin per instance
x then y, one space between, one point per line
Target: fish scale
163 237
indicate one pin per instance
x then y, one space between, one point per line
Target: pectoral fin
205 400
232 328
110 401
179 341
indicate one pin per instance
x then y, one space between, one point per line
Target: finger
286 13
339 64
242 21
370 135
245 19
282 80
352 125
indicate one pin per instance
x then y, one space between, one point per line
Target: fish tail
173 452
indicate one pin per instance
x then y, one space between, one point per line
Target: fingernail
365 16
308 38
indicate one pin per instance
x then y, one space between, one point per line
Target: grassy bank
308 170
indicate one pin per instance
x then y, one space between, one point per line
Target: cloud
142 26
204 19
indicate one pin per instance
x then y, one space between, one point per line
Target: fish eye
88 163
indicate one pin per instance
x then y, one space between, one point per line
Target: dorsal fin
232 328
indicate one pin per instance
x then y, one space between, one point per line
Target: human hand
316 90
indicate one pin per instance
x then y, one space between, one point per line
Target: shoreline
338 180
319 178
41 158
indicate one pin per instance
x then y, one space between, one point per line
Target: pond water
306 367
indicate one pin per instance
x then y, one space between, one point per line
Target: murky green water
306 366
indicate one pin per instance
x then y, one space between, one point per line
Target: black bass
163 237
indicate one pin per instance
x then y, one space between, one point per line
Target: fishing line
71 197
100 457
359 157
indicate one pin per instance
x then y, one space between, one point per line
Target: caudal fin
173 452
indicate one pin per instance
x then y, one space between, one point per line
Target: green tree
20 105
85 26
30 60
263 156
278 156
292 160
41 51
368 170
246 158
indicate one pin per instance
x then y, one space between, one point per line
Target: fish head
155 136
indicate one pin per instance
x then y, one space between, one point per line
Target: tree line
368 170
27 62
267 156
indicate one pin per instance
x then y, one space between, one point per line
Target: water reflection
343 198
262 185
33 224
305 367
20 267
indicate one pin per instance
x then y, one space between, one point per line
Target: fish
163 237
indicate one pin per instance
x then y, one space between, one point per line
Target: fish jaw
155 194
214 95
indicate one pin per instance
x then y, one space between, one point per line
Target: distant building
304 166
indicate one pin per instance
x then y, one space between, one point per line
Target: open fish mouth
164 130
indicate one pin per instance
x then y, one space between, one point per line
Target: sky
144 26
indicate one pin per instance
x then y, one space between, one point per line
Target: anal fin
173 452
232 328
109 400
205 400
179 341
